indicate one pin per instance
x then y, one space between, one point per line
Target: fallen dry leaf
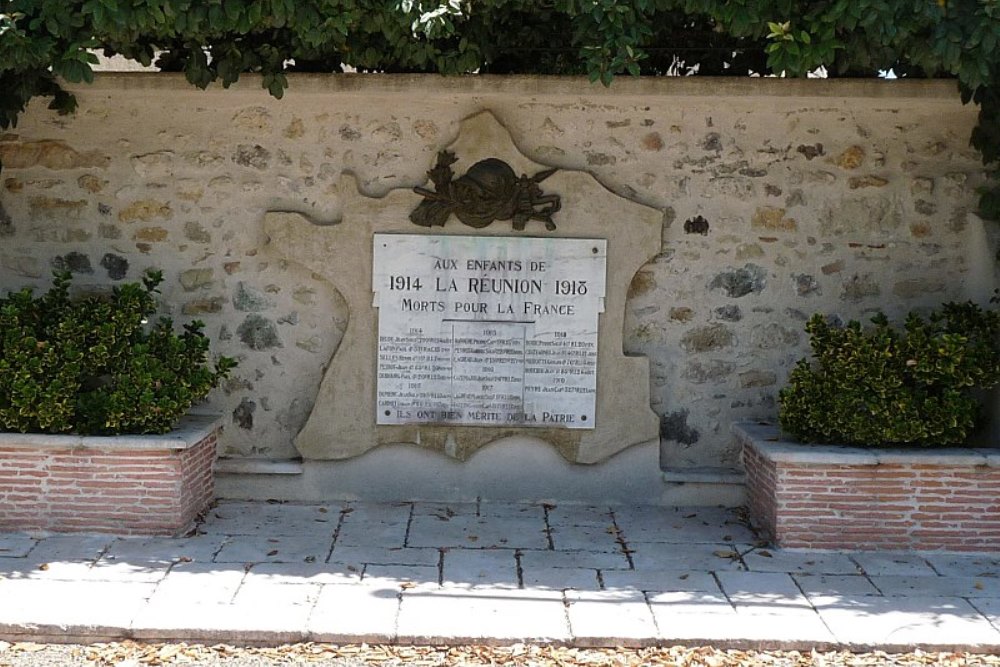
128 653
28 647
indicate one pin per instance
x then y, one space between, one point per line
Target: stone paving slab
598 560
358 557
74 547
482 614
835 584
771 590
268 594
15 545
254 518
660 580
966 587
693 616
495 567
401 576
311 573
366 513
964 565
893 563
211 622
561 578
530 511
900 623
520 532
579 515
495 573
990 608
199 583
355 613
702 525
32 606
695 556
811 562
585 538
166 549
611 618
356 533
148 571
305 548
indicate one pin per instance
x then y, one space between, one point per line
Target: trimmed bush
93 366
884 387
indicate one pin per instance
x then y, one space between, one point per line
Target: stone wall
779 199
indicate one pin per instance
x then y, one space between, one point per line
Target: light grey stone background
820 196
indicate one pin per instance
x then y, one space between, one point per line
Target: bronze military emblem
488 191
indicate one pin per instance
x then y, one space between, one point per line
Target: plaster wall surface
775 199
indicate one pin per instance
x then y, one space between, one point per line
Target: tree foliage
42 41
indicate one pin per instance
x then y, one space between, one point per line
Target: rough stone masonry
778 198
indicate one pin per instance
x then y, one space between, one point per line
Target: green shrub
91 366
883 387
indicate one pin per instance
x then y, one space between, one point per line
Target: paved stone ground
490 573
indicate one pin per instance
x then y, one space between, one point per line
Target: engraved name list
489 331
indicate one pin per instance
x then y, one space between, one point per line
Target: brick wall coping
191 430
768 440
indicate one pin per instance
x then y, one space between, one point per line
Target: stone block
902 624
610 618
284 549
354 614
481 615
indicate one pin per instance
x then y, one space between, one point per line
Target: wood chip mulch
133 654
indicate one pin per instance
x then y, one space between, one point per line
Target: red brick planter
833 497
128 485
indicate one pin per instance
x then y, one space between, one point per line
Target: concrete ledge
514 469
257 467
190 430
703 475
508 86
776 447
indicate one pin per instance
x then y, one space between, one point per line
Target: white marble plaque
488 331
